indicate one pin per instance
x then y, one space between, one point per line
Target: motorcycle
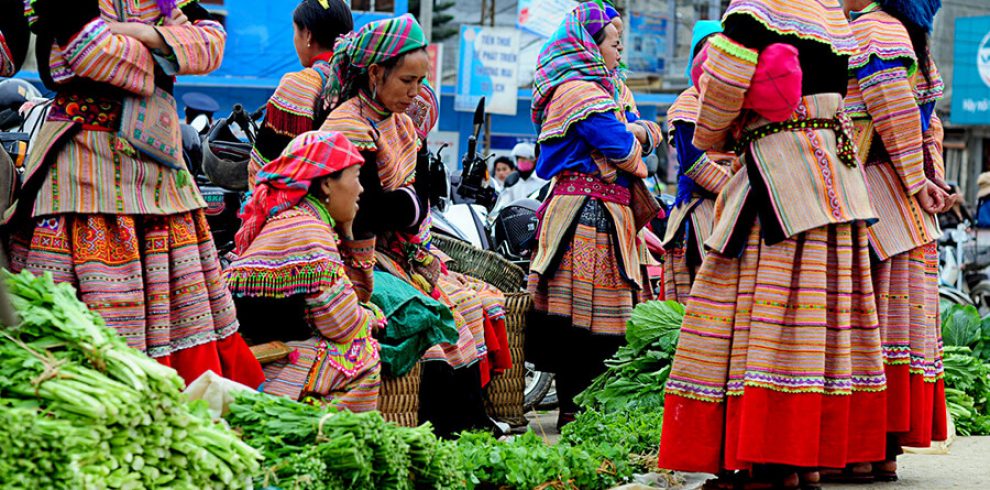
218 162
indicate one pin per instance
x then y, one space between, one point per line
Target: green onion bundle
87 411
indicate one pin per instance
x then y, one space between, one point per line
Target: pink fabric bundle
775 90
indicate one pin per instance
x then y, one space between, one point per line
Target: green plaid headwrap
372 44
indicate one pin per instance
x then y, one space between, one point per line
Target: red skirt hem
916 409
229 357
770 427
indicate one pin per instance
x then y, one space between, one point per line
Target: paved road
966 467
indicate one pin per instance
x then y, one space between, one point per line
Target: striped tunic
792 166
296 253
886 90
572 102
392 137
289 113
94 171
707 173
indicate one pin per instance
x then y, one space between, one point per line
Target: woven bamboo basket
398 400
481 264
504 395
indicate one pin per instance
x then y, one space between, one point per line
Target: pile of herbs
313 447
81 409
967 368
638 372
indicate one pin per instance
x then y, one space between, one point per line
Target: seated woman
380 71
291 282
585 277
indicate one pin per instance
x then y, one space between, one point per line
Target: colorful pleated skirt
588 284
154 279
686 246
908 310
779 358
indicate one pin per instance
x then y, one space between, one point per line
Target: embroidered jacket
296 254
892 105
795 180
709 177
290 112
93 170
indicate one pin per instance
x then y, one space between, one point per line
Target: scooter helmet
14 92
225 163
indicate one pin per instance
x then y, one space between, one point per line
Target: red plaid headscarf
285 181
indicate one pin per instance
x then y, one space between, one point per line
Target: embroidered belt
841 124
95 113
580 184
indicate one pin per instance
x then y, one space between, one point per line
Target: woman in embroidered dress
650 267
127 230
778 367
700 179
892 93
14 37
291 273
300 102
585 277
380 73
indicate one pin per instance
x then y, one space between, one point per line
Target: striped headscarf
572 54
374 43
285 181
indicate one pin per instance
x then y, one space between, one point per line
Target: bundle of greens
639 370
967 368
526 462
967 389
81 409
312 447
635 431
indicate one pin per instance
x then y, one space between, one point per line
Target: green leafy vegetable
81 409
639 370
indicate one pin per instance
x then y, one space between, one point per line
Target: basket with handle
504 395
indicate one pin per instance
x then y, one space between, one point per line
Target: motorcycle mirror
479 112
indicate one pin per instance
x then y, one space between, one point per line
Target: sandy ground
967 466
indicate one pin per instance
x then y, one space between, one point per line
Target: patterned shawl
570 55
372 44
285 181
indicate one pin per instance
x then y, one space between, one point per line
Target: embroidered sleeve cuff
6 59
709 174
359 254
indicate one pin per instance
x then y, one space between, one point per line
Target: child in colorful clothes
127 230
900 149
291 273
300 102
585 276
700 179
778 369
14 37
380 70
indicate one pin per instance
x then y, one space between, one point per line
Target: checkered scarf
285 181
572 54
372 44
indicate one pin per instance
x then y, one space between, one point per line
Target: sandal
810 480
885 471
853 473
